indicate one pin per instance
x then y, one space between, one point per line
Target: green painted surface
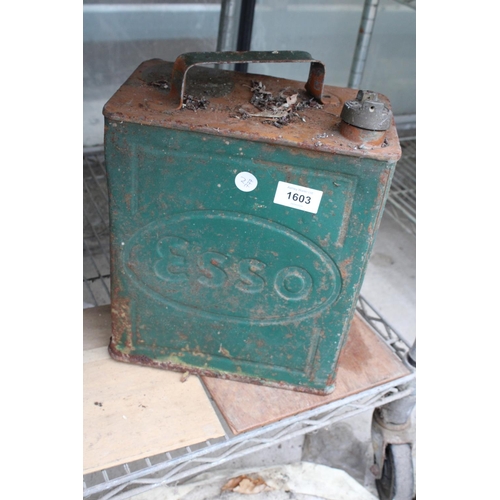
206 276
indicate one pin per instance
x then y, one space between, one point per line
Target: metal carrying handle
186 61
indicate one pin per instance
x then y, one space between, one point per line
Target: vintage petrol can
243 210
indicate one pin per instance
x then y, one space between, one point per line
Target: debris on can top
232 104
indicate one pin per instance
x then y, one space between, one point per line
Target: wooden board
365 362
132 412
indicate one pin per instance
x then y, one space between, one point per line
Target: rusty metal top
218 102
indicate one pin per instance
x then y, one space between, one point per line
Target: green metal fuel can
243 210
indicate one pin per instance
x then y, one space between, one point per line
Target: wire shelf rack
127 480
402 201
96 267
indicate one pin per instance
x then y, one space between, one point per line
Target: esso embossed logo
232 266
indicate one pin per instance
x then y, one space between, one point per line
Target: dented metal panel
241 222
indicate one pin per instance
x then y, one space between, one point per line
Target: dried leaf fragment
193 103
291 99
278 110
279 113
246 485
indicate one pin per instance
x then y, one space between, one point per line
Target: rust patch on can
224 352
121 324
176 367
345 267
362 136
383 184
331 378
382 193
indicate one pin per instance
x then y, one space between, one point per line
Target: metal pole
228 25
412 354
245 31
363 43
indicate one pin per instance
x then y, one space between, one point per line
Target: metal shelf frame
127 480
402 201
192 462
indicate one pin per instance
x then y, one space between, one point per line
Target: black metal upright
245 31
